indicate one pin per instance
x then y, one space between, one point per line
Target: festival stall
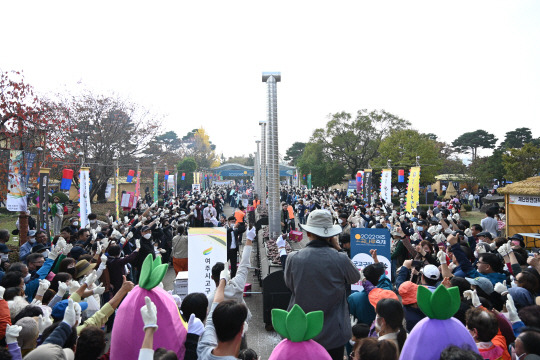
522 203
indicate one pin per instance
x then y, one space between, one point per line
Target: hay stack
528 187
450 191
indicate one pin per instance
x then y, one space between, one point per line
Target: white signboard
196 187
108 191
85 207
125 200
524 200
206 247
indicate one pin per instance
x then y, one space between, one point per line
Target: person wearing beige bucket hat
318 277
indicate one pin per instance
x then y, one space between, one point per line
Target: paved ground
260 340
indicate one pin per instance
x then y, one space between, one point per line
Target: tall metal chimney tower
274 210
262 192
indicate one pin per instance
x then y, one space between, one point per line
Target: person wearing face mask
389 322
146 247
73 226
527 345
26 248
67 265
94 222
116 266
208 213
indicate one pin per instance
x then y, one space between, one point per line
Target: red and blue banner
130 175
183 176
401 176
67 177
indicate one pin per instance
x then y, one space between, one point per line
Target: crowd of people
61 298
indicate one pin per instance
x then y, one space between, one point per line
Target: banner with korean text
386 185
412 198
359 183
155 186
524 200
362 241
138 185
84 199
116 200
368 178
16 196
206 247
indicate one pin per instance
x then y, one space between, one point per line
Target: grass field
474 217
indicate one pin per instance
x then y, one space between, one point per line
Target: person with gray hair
28 335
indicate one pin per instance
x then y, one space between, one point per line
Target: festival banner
309 181
412 198
170 183
401 175
138 185
360 182
351 186
386 185
366 193
43 219
16 196
362 241
124 203
67 178
176 184
524 200
206 247
130 175
84 195
183 176
116 202
155 186
166 182
29 158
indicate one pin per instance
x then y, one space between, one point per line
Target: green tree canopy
242 160
188 166
324 171
294 152
517 138
519 164
354 142
470 142
485 169
402 147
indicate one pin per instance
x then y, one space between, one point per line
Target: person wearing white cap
430 277
318 276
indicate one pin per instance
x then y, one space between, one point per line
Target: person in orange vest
287 218
256 201
239 215
292 223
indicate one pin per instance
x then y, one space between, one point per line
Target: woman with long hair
389 322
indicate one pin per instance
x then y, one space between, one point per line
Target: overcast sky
448 67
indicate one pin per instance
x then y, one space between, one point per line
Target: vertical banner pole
155 183
84 196
367 185
44 201
116 202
